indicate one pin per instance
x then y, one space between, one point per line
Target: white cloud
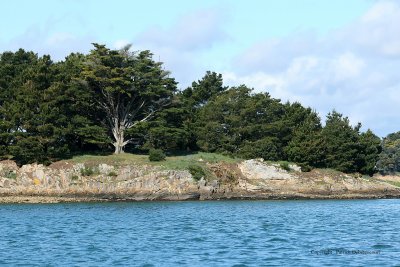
353 70
347 66
59 38
181 46
195 31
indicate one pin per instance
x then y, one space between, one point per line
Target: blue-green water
220 233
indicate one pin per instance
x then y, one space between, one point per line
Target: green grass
183 162
176 162
115 160
397 184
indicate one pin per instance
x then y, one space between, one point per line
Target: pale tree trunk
119 143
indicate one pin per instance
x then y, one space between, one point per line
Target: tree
369 154
241 123
195 98
77 112
389 158
307 146
28 110
341 143
14 72
128 86
203 90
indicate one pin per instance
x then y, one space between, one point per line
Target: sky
329 55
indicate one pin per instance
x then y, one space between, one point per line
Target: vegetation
197 172
88 171
120 101
285 166
389 159
156 155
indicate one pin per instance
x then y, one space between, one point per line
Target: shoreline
43 199
66 182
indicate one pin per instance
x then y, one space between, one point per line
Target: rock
255 169
251 179
106 169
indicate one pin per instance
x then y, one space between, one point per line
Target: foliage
307 145
197 172
112 174
243 124
369 153
285 166
128 87
156 155
305 168
341 143
126 100
389 158
89 171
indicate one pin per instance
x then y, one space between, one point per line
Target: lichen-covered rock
256 169
249 179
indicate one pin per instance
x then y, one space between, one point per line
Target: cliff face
251 179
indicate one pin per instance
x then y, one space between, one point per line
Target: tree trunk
119 143
118 149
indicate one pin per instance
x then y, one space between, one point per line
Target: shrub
197 172
112 173
285 166
89 171
156 155
305 167
74 178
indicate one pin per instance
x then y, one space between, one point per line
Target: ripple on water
225 233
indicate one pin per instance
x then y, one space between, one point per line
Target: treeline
117 100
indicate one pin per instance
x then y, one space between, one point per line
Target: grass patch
174 162
183 162
114 160
397 184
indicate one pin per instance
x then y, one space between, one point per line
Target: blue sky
341 54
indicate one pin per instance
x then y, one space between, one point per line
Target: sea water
202 233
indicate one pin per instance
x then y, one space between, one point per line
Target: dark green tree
241 123
194 98
369 152
307 145
389 158
341 143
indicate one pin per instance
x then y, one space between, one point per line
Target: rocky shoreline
247 180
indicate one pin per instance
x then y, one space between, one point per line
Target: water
220 233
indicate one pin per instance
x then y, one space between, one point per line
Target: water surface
214 233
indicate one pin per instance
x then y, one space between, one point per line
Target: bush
197 172
156 155
112 173
305 167
89 171
285 166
